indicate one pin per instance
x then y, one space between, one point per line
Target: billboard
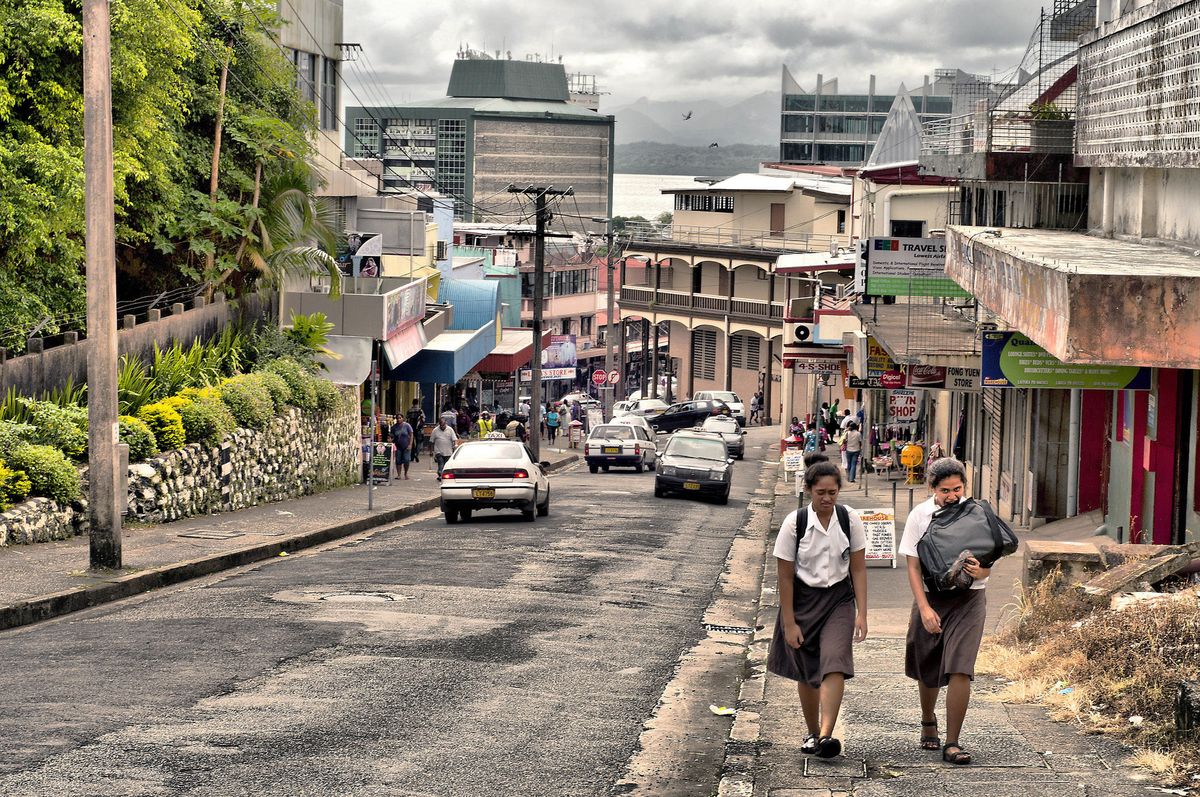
909 267
403 307
936 377
882 372
1010 359
560 353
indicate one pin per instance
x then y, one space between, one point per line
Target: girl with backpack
822 570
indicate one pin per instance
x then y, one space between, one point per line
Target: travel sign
909 267
1012 360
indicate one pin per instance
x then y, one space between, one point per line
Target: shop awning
514 351
403 345
448 357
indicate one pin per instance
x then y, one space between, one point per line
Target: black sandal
930 742
828 747
960 756
810 745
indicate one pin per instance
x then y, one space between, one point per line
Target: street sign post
614 376
599 377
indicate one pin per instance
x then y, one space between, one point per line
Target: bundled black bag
965 528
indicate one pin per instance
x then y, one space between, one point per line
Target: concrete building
709 283
502 122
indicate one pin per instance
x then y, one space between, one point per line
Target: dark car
694 463
687 414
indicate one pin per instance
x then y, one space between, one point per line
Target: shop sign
1011 359
902 406
882 372
549 373
909 267
403 307
817 366
936 377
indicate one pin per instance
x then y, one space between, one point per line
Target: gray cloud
689 49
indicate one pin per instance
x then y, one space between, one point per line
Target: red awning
514 350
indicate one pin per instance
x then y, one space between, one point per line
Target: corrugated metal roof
475 302
518 80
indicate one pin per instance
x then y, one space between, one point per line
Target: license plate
691 485
612 449
483 492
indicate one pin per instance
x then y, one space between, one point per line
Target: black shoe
828 747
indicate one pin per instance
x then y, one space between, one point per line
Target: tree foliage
166 64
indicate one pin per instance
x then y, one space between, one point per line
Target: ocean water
641 194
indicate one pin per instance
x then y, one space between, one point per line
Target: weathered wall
1178 204
42 520
30 374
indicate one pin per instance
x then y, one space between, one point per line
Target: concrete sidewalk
50 579
1016 749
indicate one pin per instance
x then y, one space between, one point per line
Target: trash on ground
722 711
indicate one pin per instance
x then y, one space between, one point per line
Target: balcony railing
649 232
998 131
703 303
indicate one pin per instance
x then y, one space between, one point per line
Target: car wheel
723 499
544 508
593 468
639 467
464 514
531 512
451 516
659 492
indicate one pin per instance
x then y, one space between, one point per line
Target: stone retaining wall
298 454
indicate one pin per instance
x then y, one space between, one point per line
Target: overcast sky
687 49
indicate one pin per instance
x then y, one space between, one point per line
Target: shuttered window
746 352
704 354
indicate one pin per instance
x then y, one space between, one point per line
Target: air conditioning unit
800 334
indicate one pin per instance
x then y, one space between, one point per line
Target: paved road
491 657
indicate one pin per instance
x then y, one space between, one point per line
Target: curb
57 604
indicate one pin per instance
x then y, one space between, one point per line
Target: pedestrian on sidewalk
822 570
552 421
403 439
852 440
485 425
812 439
416 419
945 628
444 440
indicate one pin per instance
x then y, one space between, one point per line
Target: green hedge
164 421
328 397
136 434
50 473
12 434
207 420
64 428
300 381
14 486
249 400
281 394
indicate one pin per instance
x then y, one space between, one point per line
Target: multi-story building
823 126
710 284
502 122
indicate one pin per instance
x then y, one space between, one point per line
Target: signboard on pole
882 372
381 463
902 406
614 376
793 460
880 526
909 267
1010 359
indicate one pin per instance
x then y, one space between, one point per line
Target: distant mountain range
677 137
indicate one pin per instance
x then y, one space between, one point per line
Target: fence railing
998 131
701 302
723 236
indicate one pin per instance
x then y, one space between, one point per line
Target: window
798 102
329 95
794 123
704 353
796 153
907 229
366 138
841 222
306 74
566 326
585 324
840 153
745 352
877 124
707 203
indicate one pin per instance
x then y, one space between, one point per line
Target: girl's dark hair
852 425
820 470
813 457
943 469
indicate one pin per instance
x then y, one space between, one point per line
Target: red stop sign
599 377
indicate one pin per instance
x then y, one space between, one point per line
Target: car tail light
520 474
447 474
586 449
637 449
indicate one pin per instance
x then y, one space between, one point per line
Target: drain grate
211 534
728 629
362 597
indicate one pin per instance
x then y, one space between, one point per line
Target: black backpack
843 517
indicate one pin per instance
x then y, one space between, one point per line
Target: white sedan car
648 408
494 474
638 421
621 408
730 431
618 444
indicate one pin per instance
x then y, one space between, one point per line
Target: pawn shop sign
599 377
614 376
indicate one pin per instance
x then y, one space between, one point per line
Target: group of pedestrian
822 588
757 408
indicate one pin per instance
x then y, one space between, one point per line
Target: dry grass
1098 668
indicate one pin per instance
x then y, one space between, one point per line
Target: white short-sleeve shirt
824 552
915 528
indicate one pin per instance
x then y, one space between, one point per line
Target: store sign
882 372
403 307
549 373
819 367
935 377
1010 359
902 406
909 267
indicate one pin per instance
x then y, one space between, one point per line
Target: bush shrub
64 428
207 420
177 403
300 382
166 424
249 401
137 435
50 473
328 396
12 434
281 394
14 486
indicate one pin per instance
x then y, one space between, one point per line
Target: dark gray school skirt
933 658
826 619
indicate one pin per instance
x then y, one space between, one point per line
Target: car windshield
700 448
655 403
720 424
612 433
726 396
481 452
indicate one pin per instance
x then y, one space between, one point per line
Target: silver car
736 407
730 431
494 474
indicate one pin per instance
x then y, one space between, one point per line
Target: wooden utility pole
100 243
543 219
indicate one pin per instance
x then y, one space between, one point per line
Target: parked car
615 444
584 400
638 421
494 474
733 435
687 414
648 408
729 397
621 408
694 463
